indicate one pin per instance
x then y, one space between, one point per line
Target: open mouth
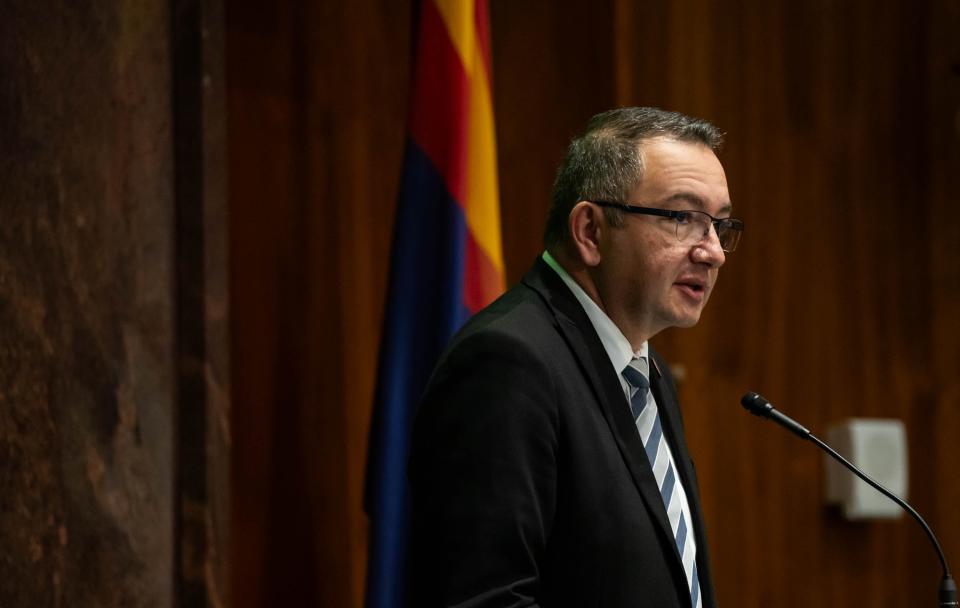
695 288
692 284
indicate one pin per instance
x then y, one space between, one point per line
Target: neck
590 281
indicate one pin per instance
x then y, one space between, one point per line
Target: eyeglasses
692 226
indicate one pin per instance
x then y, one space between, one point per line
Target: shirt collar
614 342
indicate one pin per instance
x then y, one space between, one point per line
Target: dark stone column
202 330
91 363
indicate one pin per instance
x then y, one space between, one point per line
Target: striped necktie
647 419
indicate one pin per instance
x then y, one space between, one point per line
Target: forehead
682 171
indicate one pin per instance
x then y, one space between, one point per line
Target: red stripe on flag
481 17
482 281
438 120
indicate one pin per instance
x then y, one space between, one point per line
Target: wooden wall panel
842 157
552 71
316 111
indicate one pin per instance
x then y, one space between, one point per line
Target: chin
687 320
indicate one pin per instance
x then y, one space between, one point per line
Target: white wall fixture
879 448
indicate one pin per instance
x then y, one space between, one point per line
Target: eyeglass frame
732 222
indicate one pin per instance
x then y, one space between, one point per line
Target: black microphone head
755 404
758 406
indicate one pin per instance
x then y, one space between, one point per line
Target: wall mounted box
879 448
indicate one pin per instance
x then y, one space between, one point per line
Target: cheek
666 263
653 261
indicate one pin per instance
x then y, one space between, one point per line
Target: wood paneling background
843 158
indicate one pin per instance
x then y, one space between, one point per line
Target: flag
446 262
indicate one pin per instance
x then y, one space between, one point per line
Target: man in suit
548 465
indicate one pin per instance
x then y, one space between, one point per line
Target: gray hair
604 163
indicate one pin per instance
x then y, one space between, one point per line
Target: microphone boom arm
759 406
903 505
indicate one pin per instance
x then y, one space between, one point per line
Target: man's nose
710 248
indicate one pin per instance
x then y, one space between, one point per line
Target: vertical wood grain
317 104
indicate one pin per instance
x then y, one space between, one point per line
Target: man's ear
586 224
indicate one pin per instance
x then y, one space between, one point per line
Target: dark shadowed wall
87 322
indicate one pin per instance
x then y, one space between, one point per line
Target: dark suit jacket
530 485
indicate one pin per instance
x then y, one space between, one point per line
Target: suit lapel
586 346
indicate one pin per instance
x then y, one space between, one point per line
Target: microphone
759 406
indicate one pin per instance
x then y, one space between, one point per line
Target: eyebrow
696 201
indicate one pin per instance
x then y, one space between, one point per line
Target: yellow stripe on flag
482 204
458 17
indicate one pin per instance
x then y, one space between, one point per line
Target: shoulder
504 363
513 337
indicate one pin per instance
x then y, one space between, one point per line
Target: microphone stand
759 406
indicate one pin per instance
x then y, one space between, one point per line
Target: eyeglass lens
694 225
